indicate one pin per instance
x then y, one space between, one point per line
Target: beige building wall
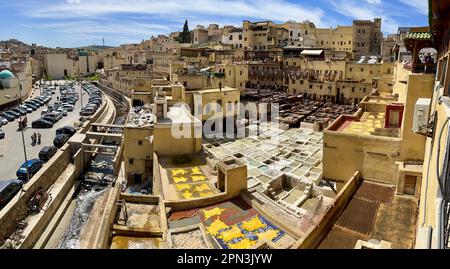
428 207
374 157
200 36
339 39
90 61
59 65
211 97
138 151
165 144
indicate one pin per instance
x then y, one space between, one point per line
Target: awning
311 52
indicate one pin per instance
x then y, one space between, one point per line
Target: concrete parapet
331 215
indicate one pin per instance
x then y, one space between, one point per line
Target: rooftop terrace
370 123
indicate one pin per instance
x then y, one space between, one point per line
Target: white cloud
280 10
73 1
420 6
366 11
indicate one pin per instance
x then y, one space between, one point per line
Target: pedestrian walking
39 138
33 139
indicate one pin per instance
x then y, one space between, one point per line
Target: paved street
11 149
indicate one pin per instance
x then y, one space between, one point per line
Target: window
353 89
241 72
231 37
362 69
351 69
240 37
140 142
131 161
290 33
301 82
310 86
306 32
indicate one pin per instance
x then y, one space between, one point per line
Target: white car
3 121
62 111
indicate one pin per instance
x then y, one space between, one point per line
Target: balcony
427 68
416 41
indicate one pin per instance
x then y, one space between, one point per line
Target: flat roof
179 115
371 123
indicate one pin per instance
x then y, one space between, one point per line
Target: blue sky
72 23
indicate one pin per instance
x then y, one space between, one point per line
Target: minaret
185 36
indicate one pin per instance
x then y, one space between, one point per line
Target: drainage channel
95 180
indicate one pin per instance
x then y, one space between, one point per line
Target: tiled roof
418 35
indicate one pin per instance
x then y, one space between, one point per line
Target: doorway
410 185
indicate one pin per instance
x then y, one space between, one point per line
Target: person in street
39 138
33 139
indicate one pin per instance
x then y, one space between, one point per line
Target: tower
185 36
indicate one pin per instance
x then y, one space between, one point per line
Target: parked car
7 116
44 112
20 111
49 118
40 102
47 153
33 106
68 130
28 109
8 189
12 112
2 134
60 140
87 111
94 106
33 167
57 116
42 123
3 121
68 107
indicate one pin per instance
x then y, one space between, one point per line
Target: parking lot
11 149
